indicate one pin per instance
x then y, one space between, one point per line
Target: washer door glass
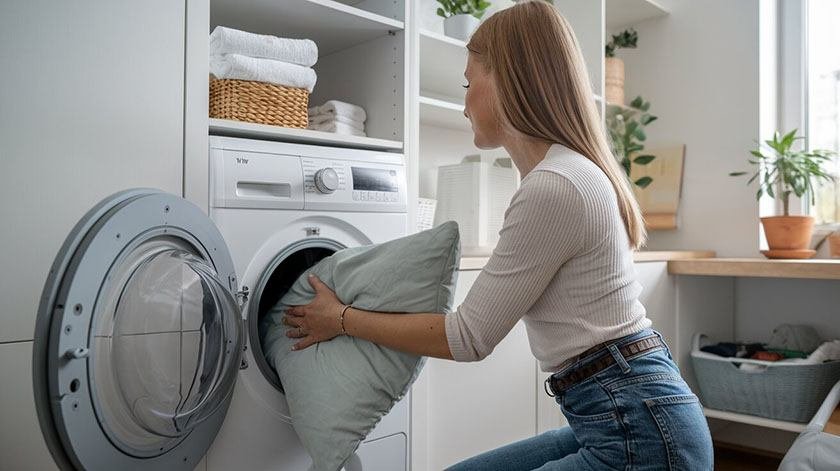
163 348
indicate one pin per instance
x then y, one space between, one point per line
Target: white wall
699 68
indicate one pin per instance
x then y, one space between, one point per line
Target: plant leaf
647 119
643 182
644 159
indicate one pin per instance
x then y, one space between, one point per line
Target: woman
563 264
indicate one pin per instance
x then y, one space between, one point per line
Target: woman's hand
318 321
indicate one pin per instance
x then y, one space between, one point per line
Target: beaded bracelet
344 310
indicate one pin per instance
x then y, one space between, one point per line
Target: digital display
374 179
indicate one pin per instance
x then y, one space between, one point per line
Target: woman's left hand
318 321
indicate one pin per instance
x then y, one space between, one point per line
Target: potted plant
626 128
614 67
461 17
786 171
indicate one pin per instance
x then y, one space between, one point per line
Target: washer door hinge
242 296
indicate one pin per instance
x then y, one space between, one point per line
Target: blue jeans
637 414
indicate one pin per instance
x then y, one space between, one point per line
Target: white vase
460 26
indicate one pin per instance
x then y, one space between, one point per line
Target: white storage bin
475 194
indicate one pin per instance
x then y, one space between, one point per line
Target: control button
326 180
355 196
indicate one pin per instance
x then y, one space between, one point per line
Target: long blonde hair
544 91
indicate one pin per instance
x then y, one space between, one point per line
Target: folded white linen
225 40
239 67
340 108
338 128
326 119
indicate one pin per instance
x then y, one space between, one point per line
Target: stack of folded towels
338 117
240 55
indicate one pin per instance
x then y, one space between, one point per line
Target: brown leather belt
556 385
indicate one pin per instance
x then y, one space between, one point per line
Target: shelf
332 25
754 420
663 256
758 267
442 63
477 263
442 113
224 127
624 13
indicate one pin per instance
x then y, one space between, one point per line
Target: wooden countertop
667 256
477 263
823 269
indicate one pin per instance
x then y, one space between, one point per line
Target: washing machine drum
138 338
275 282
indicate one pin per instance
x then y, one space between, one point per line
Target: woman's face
480 103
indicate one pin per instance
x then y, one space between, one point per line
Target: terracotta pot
614 80
834 245
788 232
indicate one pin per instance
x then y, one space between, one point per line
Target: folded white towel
340 108
239 67
233 41
338 128
327 119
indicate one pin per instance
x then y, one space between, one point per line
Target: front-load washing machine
281 208
146 351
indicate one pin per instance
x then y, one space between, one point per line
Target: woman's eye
466 86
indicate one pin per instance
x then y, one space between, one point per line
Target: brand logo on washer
241 160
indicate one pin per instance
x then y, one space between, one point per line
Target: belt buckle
547 386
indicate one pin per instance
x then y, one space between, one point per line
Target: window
823 99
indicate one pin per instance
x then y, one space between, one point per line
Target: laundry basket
790 392
259 102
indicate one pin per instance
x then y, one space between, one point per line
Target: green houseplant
626 128
783 171
614 67
461 17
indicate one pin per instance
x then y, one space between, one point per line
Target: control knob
326 180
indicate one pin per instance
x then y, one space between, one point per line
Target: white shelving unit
623 13
225 127
442 62
361 60
754 420
435 112
332 25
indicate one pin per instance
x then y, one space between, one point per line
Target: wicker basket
782 391
259 102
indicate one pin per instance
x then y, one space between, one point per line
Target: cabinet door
659 296
92 103
475 407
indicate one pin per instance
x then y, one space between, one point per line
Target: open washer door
138 338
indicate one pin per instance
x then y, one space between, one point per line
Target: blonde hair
543 91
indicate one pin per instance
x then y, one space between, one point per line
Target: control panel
274 175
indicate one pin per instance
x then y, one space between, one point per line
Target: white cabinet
92 102
659 296
463 409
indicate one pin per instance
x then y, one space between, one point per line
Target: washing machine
281 208
146 351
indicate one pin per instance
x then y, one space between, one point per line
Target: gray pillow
339 390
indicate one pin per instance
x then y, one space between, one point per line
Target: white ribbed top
563 265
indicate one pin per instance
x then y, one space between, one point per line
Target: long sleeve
541 231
